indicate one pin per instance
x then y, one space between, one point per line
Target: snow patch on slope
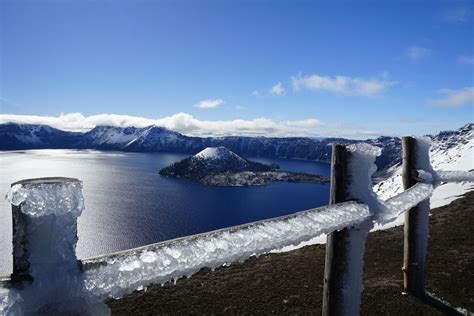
107 135
217 153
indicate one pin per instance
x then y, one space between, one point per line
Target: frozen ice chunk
56 197
361 168
51 281
115 276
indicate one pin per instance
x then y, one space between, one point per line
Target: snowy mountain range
159 139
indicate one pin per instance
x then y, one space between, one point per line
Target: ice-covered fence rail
121 273
455 176
403 202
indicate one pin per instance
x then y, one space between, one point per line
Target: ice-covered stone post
45 215
46 272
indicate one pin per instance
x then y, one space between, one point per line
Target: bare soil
292 282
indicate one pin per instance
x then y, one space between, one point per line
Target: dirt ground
292 282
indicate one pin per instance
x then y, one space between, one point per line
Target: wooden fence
338 245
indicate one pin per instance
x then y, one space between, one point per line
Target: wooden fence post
337 244
414 246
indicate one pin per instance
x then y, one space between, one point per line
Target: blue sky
348 68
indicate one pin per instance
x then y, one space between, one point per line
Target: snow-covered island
219 166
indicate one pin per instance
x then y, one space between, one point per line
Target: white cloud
454 98
305 123
255 93
188 125
277 89
416 53
466 60
209 103
342 84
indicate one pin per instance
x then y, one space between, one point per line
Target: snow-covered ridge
102 135
159 139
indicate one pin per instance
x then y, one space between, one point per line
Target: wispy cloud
305 123
342 84
458 14
417 53
255 93
454 98
189 125
466 60
277 89
209 103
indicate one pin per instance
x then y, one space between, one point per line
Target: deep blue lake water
128 204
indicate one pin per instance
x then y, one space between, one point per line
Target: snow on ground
113 135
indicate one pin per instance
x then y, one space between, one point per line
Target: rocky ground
291 282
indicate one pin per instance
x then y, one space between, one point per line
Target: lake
128 204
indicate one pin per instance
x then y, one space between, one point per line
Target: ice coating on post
422 162
46 274
115 276
361 168
56 196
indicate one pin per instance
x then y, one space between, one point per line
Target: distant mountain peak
217 153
